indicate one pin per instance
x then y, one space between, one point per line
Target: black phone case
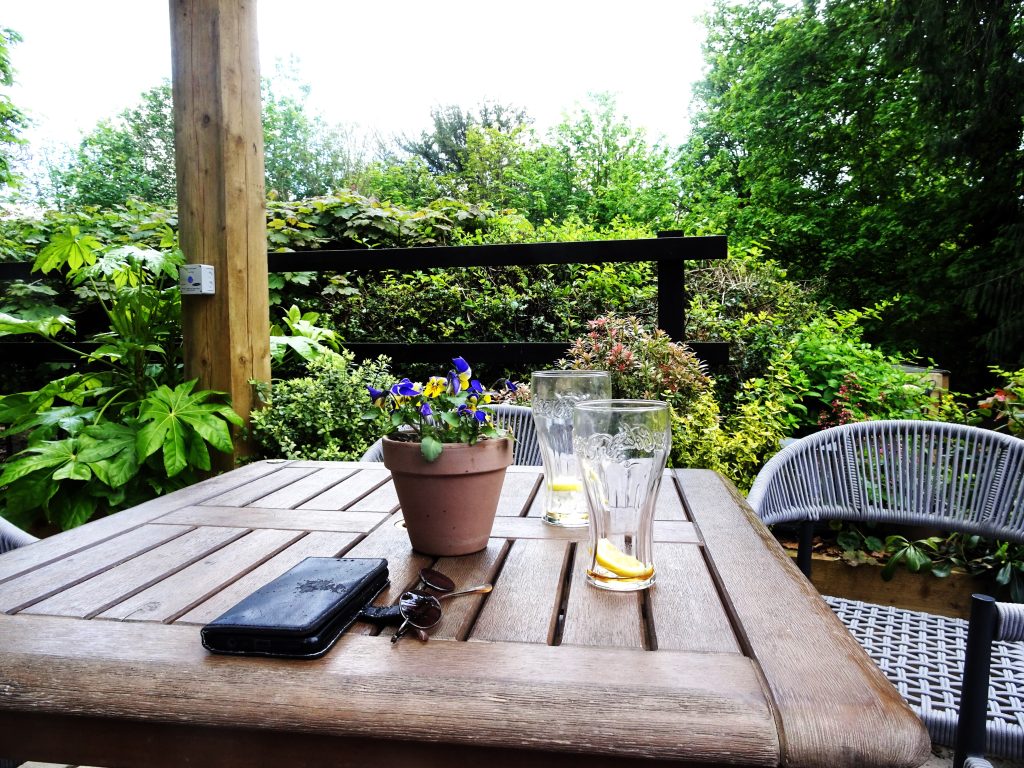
302 612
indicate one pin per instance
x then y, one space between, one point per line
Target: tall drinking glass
622 447
554 393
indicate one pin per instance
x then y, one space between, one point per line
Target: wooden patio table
731 659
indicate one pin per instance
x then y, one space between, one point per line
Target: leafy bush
748 302
125 427
649 365
506 303
512 302
1004 409
848 379
793 368
320 415
765 410
1000 561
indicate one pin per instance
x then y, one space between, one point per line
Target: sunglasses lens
422 611
436 580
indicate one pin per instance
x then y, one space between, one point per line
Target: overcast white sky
380 65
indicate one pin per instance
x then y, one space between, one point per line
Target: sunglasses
419 609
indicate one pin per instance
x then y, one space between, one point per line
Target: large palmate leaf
69 247
109 450
69 418
71 510
124 266
307 349
173 416
36 411
22 498
45 327
60 456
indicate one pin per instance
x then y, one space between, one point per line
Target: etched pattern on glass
623 445
560 408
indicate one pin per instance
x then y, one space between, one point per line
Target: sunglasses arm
381 616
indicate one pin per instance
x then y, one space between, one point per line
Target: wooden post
218 139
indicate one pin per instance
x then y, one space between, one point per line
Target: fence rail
669 251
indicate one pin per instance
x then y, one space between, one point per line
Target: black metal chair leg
803 553
970 731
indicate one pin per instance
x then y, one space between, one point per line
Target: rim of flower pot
487 455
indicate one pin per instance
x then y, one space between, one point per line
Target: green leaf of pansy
430 447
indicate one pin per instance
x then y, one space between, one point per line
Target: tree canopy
132 155
12 119
876 144
874 147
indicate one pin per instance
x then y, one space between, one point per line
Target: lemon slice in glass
613 559
565 483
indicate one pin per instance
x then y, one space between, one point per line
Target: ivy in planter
940 555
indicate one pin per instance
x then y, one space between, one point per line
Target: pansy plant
444 409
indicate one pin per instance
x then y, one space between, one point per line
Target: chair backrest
12 537
518 418
956 477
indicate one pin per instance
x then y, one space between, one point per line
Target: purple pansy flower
405 388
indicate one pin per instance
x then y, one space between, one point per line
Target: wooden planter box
950 596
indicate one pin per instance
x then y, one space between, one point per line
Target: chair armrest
1011 622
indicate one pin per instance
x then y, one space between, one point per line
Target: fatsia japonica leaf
17 406
70 248
307 349
61 456
71 510
69 418
46 327
26 494
109 449
173 417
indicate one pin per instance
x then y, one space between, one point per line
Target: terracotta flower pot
449 504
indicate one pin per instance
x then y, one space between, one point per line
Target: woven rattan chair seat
922 654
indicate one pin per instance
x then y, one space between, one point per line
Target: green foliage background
863 156
877 146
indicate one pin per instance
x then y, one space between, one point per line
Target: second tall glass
554 394
622 447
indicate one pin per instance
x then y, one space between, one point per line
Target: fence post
672 293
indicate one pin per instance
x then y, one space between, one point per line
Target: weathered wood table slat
731 658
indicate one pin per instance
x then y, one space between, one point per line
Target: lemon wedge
613 559
565 484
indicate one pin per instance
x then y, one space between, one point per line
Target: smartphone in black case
302 612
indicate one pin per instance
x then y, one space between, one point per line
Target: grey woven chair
950 476
12 537
518 418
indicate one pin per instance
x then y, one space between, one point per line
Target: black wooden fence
669 251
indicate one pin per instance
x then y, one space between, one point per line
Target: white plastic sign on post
196 279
